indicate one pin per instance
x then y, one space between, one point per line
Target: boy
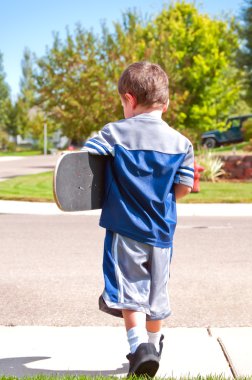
150 166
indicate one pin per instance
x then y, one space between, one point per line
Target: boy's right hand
181 191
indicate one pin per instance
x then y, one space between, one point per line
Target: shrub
248 148
247 129
212 166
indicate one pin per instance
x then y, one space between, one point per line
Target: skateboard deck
79 181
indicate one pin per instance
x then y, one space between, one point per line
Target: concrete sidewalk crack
228 359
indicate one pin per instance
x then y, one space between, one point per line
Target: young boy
150 167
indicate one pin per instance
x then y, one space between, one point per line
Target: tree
4 105
28 115
72 85
77 78
130 41
198 52
245 52
12 122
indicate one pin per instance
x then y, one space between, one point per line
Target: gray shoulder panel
147 133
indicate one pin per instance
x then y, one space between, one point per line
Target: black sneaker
145 361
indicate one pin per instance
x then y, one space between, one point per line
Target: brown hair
146 81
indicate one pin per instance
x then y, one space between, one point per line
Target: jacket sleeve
101 144
185 172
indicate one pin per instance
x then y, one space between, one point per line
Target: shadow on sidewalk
17 367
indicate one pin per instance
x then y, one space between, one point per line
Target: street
16 166
51 272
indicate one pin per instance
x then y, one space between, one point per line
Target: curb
213 209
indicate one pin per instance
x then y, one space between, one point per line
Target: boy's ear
165 107
131 99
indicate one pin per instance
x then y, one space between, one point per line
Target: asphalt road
15 166
50 272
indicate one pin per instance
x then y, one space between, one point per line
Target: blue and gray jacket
147 158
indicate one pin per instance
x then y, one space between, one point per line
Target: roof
240 116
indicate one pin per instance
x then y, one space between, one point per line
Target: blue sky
29 23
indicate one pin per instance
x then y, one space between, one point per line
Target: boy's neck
151 110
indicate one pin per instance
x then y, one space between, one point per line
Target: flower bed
237 167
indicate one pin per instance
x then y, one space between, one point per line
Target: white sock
136 335
155 339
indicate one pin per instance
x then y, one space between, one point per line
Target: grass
21 153
221 192
239 149
83 377
35 187
38 187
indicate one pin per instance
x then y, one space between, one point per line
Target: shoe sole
147 367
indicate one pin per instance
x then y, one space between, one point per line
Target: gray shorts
136 277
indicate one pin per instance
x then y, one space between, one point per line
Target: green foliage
77 78
73 85
4 105
3 139
201 50
29 117
249 146
241 107
245 52
247 129
7 113
12 114
212 166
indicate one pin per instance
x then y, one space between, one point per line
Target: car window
235 123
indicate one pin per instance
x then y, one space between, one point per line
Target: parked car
232 134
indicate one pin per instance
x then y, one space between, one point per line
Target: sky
31 23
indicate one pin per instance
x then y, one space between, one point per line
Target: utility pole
45 139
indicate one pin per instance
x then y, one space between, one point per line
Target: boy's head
144 85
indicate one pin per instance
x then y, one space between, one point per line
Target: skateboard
79 181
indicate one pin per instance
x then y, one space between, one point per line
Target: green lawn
82 377
221 192
21 153
38 187
35 187
238 148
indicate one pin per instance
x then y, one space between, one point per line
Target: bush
11 147
248 148
3 140
247 129
212 166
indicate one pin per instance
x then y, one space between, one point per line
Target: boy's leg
153 326
133 318
141 331
154 334
143 358
135 327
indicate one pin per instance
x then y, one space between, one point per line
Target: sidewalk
28 351
213 209
94 351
